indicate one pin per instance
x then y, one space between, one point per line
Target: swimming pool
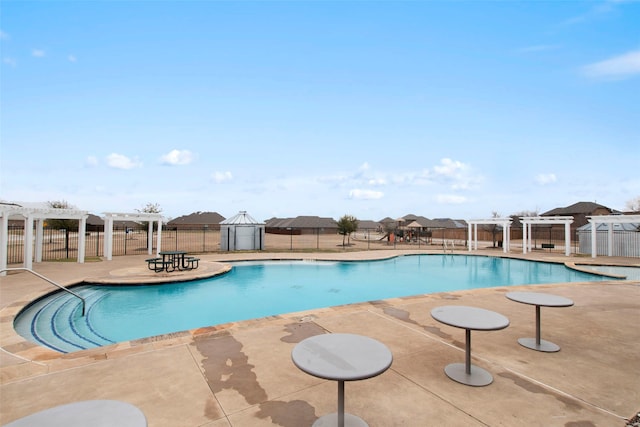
259 289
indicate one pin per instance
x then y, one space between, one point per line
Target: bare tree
534 212
634 204
149 208
62 224
493 228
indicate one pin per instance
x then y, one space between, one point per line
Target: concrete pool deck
241 374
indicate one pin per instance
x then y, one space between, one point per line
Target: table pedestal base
478 377
331 420
546 346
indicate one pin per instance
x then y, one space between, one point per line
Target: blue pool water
258 289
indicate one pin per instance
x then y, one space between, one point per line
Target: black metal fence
63 244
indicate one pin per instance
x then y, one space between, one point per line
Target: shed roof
629 226
241 218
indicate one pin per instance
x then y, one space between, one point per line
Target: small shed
241 233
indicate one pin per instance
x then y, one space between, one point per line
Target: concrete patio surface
241 374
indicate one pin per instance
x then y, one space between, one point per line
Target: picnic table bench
171 261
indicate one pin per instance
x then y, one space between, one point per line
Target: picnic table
172 261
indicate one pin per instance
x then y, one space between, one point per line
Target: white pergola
610 220
528 221
505 223
110 217
37 216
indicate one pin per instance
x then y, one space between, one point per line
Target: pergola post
505 239
594 244
469 237
4 241
610 240
28 242
82 238
159 243
567 239
39 239
108 237
150 238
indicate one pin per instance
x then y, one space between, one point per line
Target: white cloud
177 157
332 179
220 177
38 53
361 172
458 174
10 61
72 58
365 194
91 161
377 181
546 178
449 167
597 10
119 161
618 67
450 199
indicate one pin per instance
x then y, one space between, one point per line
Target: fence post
204 237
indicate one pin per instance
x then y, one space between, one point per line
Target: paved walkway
241 374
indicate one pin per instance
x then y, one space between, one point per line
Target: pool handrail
84 302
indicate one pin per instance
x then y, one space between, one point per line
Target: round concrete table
539 300
469 318
341 357
93 413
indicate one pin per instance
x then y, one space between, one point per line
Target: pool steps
59 325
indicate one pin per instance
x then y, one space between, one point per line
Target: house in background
411 227
197 221
96 223
580 211
302 225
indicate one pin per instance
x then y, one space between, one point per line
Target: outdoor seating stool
192 262
155 264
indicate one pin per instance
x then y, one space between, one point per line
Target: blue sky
374 109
